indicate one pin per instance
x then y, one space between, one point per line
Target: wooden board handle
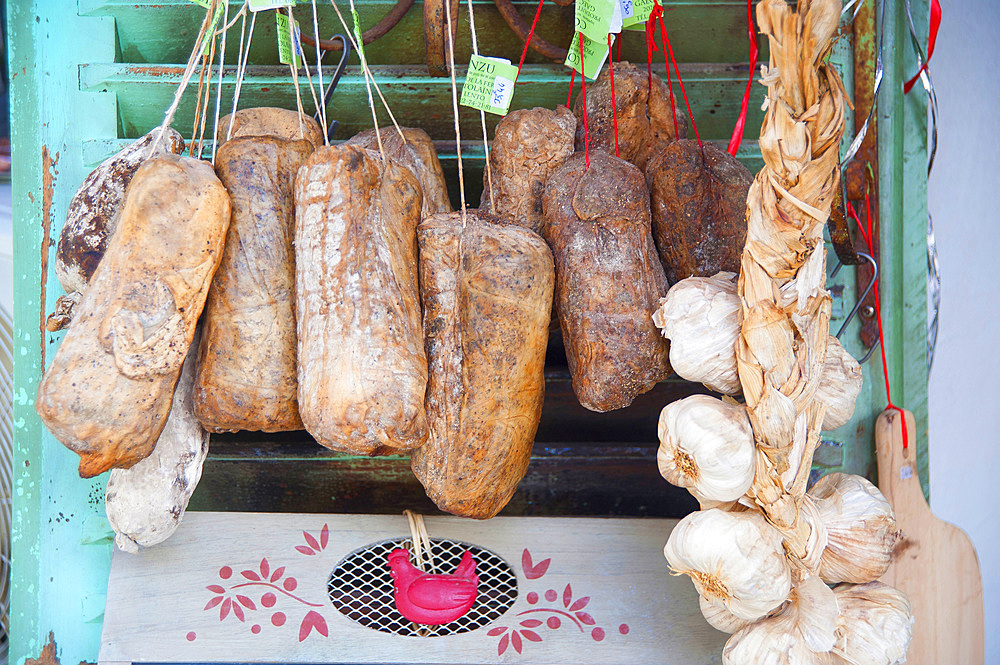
897 465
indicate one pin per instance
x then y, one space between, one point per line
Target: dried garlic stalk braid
782 284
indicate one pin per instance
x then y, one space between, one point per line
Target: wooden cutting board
934 561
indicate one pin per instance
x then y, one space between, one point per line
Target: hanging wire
482 114
933 266
222 61
319 75
241 71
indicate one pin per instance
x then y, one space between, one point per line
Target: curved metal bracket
435 39
380 29
521 28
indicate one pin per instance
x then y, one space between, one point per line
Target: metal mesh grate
360 587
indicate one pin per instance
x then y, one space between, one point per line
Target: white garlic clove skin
721 618
707 446
802 632
701 318
839 386
736 560
875 625
860 526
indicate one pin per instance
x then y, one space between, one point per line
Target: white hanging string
222 62
202 109
367 72
368 78
295 71
482 114
199 48
319 67
241 70
454 104
309 80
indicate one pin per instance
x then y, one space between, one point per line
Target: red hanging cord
651 44
878 310
583 89
931 41
741 121
538 12
670 50
614 108
569 97
619 38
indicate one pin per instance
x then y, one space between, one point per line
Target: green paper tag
201 3
261 5
594 55
641 9
489 84
288 40
594 18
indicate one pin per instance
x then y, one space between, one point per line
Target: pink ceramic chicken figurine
432 599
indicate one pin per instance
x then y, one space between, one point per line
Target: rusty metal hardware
380 29
521 28
435 39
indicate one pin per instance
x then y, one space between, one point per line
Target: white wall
965 203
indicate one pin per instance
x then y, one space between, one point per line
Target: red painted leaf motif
580 604
496 631
304 550
324 537
238 611
276 575
502 646
224 612
531 635
265 569
212 603
311 540
246 602
311 620
567 595
251 575
585 618
533 571
531 623
515 641
215 588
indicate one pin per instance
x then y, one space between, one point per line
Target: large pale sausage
362 367
417 153
487 294
108 390
246 377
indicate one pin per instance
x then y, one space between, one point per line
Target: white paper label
905 472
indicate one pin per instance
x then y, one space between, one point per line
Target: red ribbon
569 97
931 41
583 88
538 12
741 121
669 49
614 109
878 309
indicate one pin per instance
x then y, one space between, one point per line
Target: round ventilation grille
361 588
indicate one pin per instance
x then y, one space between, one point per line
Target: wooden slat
143 92
158 32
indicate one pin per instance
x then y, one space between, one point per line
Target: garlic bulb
801 633
860 528
701 318
720 618
839 386
875 625
736 560
707 446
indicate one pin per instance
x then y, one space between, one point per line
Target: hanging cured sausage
487 294
361 363
246 376
108 391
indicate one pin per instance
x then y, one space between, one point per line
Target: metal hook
345 53
861 298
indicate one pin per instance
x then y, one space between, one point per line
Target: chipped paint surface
48 183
